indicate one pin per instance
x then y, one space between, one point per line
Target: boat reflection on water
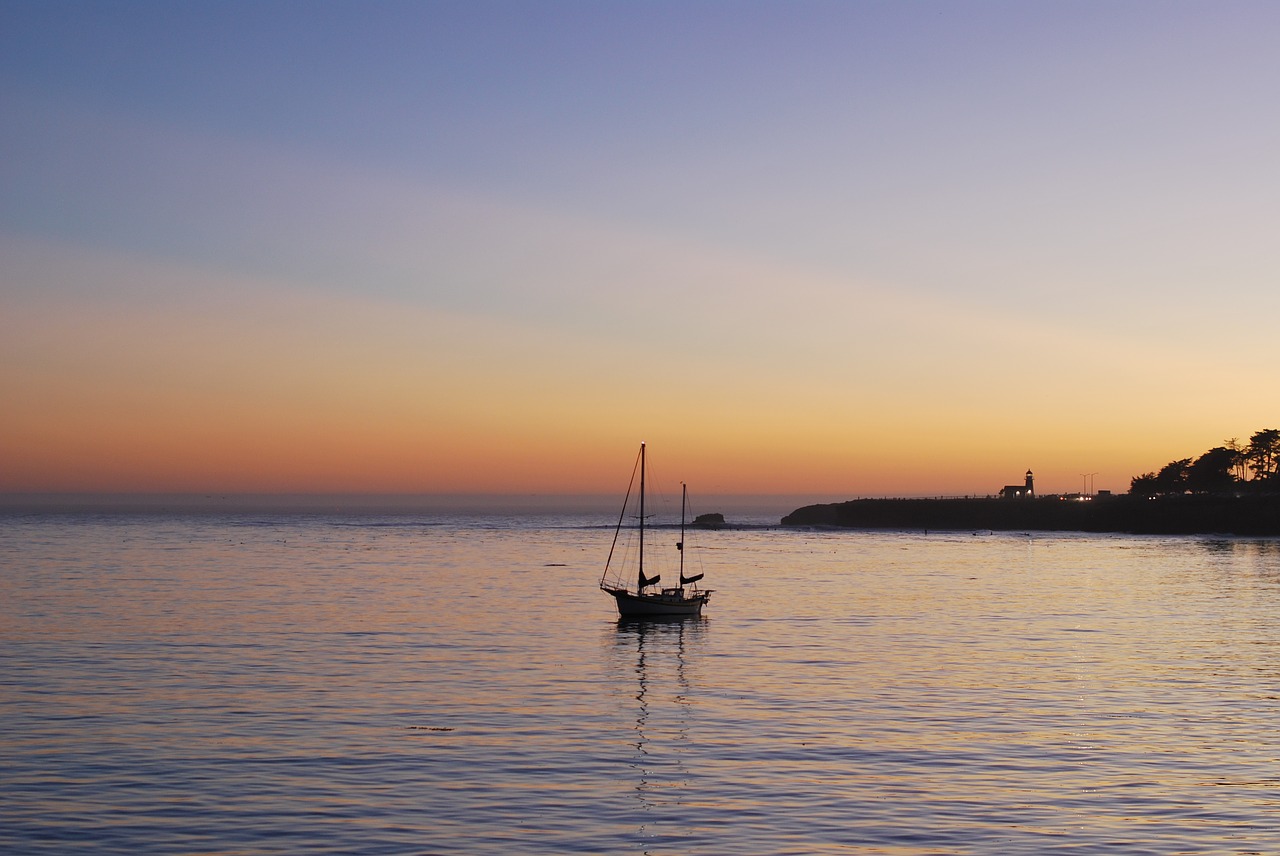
665 654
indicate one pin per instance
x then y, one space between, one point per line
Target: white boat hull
647 605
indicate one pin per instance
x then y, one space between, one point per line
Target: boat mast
640 588
684 498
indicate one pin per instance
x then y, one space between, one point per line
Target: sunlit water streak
289 684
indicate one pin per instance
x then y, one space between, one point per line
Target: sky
806 248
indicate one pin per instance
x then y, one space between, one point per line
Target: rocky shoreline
1257 515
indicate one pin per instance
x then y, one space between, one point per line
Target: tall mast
642 580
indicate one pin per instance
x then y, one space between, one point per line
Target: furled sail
648 581
684 581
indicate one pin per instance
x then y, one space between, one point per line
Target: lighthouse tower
1031 484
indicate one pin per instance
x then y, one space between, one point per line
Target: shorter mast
684 498
643 581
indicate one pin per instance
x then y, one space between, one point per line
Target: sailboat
649 600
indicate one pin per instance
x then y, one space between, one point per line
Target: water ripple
338 685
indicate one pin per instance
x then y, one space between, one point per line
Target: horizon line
89 501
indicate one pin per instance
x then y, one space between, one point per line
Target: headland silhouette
1233 489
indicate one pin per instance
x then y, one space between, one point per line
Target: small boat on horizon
648 600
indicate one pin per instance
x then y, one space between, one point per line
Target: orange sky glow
509 291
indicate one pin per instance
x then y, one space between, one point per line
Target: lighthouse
1031 484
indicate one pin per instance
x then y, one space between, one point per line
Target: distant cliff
1170 515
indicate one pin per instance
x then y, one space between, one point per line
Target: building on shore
1020 491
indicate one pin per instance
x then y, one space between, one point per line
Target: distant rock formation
709 521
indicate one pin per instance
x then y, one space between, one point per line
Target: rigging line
621 516
660 499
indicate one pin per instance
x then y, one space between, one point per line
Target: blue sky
876 222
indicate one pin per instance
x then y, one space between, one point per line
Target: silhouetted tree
1238 469
1264 453
1211 472
1172 477
1219 469
1143 485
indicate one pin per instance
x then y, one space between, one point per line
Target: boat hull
654 605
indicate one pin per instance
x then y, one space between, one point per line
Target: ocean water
436 684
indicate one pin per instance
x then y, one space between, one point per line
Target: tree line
1229 468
